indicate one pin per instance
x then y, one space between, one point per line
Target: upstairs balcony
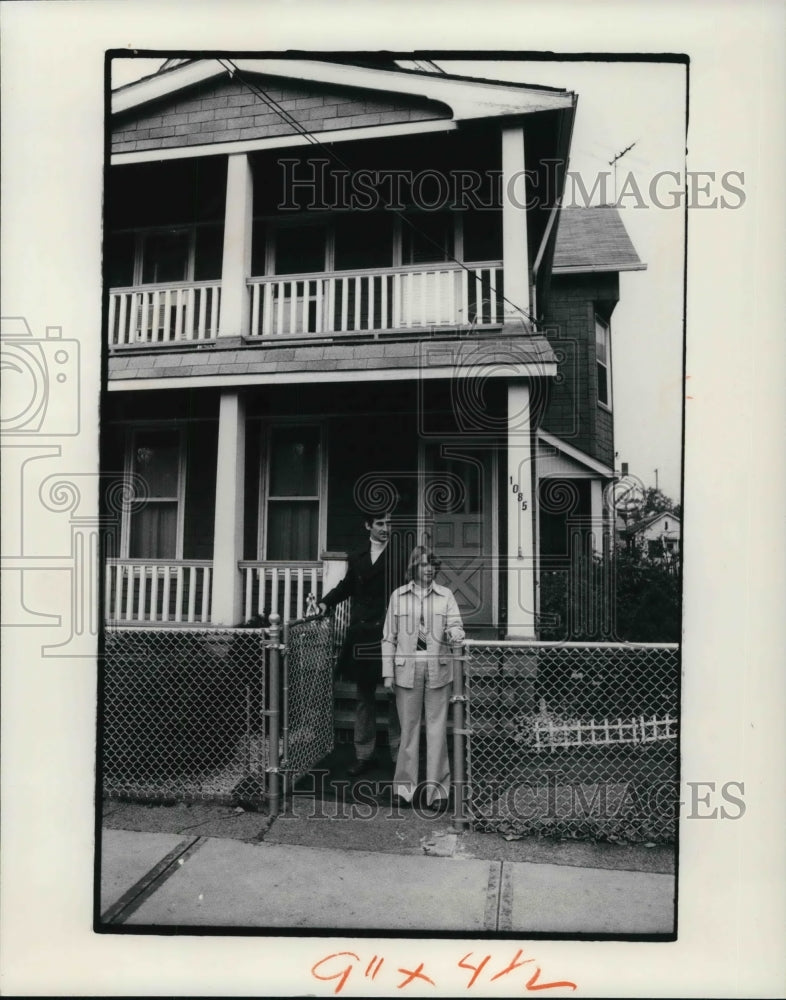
319 304
164 313
374 300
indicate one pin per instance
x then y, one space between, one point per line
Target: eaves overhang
575 454
466 99
477 358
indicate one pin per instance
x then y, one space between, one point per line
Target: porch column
227 595
520 514
238 218
597 515
515 254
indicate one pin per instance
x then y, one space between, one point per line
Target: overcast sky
619 104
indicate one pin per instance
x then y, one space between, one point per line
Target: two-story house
336 287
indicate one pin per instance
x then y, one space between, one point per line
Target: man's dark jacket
369 585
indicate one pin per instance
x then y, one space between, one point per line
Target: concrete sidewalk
168 879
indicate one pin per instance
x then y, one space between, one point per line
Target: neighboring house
656 536
324 290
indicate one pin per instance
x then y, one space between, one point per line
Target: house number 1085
519 496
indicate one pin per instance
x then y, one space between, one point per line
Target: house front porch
246 501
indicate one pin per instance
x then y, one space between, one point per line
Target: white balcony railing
280 587
389 299
164 314
154 590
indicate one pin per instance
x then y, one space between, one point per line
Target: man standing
372 576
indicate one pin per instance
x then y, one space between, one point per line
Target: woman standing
422 620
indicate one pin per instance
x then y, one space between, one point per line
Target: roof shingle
593 239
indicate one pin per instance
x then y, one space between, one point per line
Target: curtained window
293 493
155 459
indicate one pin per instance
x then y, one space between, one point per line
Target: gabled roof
580 459
467 99
646 522
593 239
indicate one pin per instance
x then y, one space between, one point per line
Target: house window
165 256
603 362
155 525
363 240
294 473
300 249
428 239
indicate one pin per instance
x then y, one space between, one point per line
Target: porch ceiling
237 364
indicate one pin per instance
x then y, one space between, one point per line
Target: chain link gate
210 714
183 714
307 734
574 740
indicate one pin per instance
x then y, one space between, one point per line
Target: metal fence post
457 701
274 715
284 761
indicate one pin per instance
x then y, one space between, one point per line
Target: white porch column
238 218
596 513
515 255
520 515
227 595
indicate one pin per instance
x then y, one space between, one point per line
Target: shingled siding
573 412
226 110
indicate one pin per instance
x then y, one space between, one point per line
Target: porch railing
154 590
373 300
280 587
164 314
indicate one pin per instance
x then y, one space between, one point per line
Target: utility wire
234 72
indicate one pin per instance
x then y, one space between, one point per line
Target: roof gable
466 98
593 239
652 520
221 109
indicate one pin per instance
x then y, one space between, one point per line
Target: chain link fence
573 740
184 714
308 733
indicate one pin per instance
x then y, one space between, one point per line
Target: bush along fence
568 739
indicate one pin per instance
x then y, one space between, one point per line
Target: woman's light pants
411 704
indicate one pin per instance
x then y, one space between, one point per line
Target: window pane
453 487
292 529
600 342
294 461
364 240
209 252
300 249
154 532
427 238
165 256
603 385
156 459
482 235
259 236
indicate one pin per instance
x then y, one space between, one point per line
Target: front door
457 506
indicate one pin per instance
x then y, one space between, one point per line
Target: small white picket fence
547 733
